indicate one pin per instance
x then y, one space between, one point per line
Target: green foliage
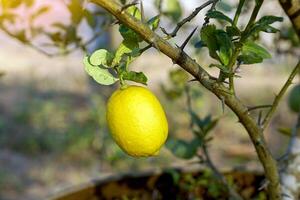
154 22
262 24
214 14
138 77
183 149
101 57
126 32
218 42
100 75
253 53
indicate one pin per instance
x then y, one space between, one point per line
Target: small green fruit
294 99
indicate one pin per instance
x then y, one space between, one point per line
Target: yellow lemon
137 121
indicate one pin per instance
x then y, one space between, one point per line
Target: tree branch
191 66
277 99
292 9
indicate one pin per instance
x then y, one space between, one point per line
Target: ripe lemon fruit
137 121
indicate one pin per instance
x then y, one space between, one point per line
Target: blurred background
53 133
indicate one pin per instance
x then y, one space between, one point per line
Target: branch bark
292 9
190 65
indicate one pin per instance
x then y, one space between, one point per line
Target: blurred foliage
63 37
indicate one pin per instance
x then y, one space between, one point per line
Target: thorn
115 22
264 184
188 39
259 118
223 105
192 80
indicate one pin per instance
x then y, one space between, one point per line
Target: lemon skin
137 121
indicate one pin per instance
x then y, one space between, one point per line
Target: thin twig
251 108
187 19
277 99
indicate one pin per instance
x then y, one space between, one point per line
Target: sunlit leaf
101 76
252 47
154 22
101 57
125 48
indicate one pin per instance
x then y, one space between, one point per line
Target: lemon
137 121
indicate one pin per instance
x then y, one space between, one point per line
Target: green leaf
101 76
249 58
267 20
225 46
233 31
262 24
270 29
127 33
154 22
218 15
173 9
101 57
252 47
208 37
223 68
125 48
183 149
253 53
138 77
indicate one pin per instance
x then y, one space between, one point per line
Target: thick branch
280 95
191 66
292 9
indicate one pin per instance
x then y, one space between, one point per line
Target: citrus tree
135 117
